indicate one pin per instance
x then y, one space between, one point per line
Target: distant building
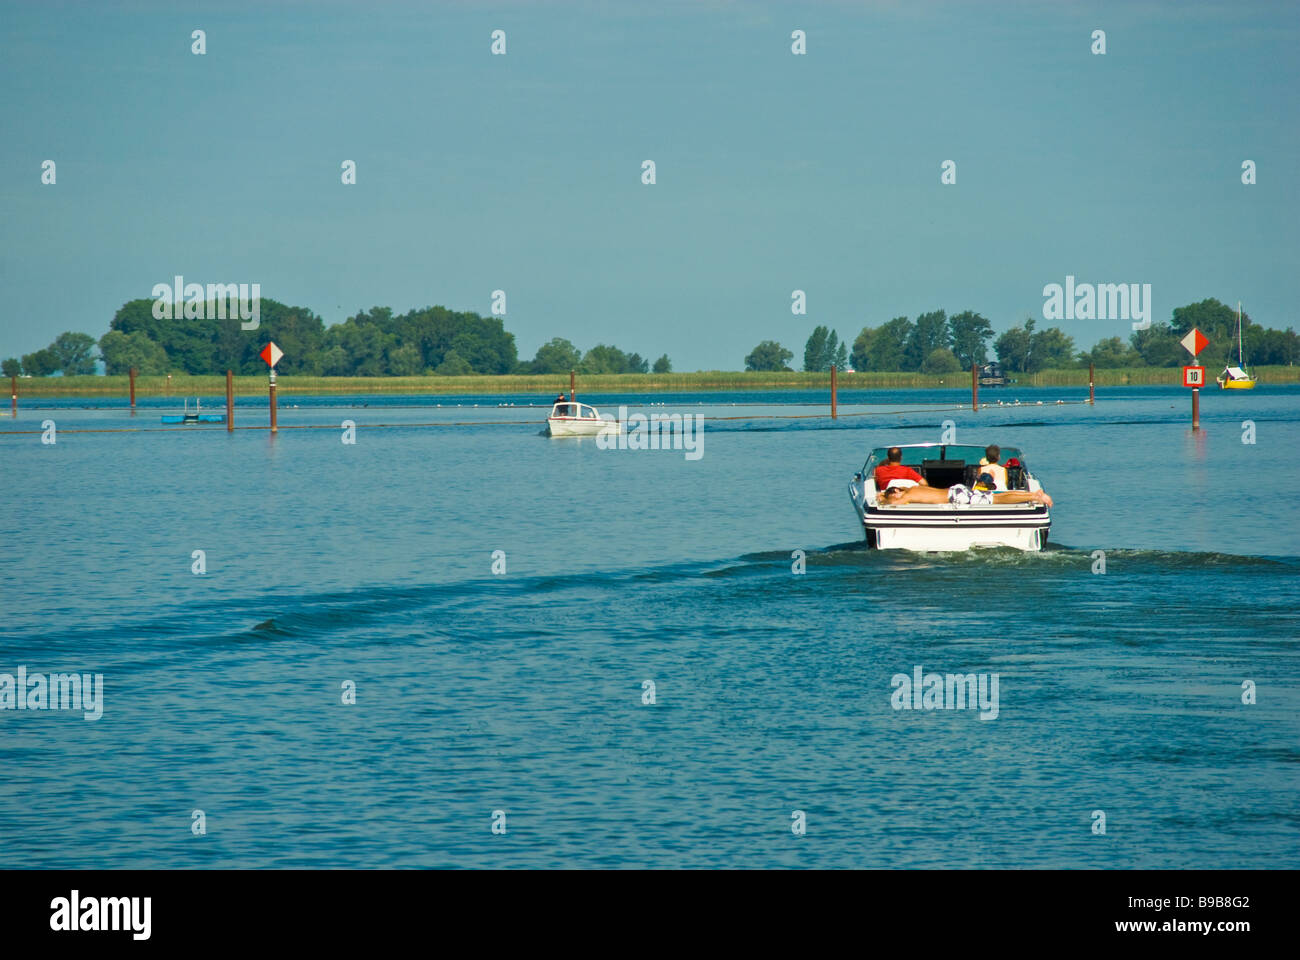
991 375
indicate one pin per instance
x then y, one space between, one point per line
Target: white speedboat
572 419
944 526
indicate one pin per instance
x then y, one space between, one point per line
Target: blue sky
522 172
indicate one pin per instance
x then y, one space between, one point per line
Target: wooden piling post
573 387
975 387
1092 385
230 401
13 394
1196 409
273 427
834 401
131 373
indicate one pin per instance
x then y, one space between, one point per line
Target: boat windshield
915 456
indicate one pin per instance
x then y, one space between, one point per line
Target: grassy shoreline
184 385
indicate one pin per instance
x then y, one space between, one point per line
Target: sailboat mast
1241 360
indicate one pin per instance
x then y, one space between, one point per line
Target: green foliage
1158 346
453 365
1050 349
1111 354
604 359
377 343
970 334
928 335
941 360
11 366
74 353
122 351
860 355
1012 347
557 355
40 363
1023 349
822 350
769 355
888 347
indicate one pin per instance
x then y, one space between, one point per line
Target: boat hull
579 426
1237 384
944 528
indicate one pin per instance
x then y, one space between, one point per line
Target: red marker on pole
272 354
1194 376
834 413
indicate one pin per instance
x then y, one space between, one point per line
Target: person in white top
990 465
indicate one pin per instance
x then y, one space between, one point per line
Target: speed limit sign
1193 376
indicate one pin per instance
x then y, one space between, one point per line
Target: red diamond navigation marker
272 354
1194 342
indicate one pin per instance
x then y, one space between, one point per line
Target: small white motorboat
572 419
945 526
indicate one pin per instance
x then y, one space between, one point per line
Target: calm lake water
371 563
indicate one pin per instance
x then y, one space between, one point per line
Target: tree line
938 343
372 343
435 340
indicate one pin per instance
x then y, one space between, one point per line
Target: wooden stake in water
13 394
132 375
573 389
1196 409
230 401
975 387
1092 388
834 407
273 427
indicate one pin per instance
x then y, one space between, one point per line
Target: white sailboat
1236 378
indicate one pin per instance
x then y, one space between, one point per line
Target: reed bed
181 385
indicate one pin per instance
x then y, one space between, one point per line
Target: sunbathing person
960 496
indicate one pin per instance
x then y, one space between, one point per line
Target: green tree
637 364
1280 347
941 360
405 361
663 365
888 346
769 355
1158 346
122 351
929 335
557 355
453 365
814 350
11 366
1110 354
74 353
604 359
1050 349
1013 346
1218 322
823 349
41 363
860 356
970 334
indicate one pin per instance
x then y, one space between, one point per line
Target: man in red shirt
893 469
